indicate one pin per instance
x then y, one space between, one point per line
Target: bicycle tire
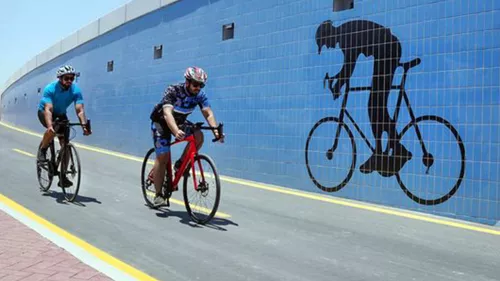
206 158
353 163
444 198
144 176
69 148
50 168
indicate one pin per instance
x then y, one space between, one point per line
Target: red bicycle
198 211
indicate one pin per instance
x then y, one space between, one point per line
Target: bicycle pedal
67 186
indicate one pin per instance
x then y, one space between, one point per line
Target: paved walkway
26 255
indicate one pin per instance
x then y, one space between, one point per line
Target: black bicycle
327 149
55 166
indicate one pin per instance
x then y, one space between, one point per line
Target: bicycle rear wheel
208 186
45 170
433 178
74 169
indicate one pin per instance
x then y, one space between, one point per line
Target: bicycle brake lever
88 126
219 130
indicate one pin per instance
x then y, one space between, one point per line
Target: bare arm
209 116
169 117
48 115
80 112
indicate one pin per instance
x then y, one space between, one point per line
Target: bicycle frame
189 157
66 125
402 94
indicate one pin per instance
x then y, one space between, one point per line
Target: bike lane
268 235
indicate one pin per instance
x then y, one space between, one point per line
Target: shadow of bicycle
215 223
59 196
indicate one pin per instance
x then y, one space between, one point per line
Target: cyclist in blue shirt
57 97
169 117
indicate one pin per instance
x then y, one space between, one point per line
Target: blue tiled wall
266 85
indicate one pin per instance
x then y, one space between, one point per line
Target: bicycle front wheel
440 167
330 166
72 171
45 170
207 187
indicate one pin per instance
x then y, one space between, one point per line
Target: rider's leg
48 136
161 139
382 122
159 169
198 136
378 113
199 139
65 161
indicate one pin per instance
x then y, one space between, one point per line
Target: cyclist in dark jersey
169 117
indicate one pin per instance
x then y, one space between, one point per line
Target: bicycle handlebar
67 123
219 129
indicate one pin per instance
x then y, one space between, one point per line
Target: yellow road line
20 130
23 152
321 198
365 207
124 267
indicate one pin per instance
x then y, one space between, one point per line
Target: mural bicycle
371 39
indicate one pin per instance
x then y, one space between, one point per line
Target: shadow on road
59 196
216 223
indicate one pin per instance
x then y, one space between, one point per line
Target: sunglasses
197 84
68 78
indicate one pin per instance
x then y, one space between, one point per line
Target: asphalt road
268 236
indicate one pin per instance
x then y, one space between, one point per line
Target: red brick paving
26 255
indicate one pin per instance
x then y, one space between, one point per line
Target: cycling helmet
196 74
63 70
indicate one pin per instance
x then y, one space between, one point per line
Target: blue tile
282 74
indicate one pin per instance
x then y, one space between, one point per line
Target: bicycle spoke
71 168
44 171
197 201
330 170
432 184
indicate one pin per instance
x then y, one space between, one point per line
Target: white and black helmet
63 70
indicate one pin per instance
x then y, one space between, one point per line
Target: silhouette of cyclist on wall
370 39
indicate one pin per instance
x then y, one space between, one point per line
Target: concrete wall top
128 12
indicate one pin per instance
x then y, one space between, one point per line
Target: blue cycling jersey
60 99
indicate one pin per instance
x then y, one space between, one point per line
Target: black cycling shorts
162 136
41 118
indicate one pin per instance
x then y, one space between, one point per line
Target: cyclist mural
374 40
